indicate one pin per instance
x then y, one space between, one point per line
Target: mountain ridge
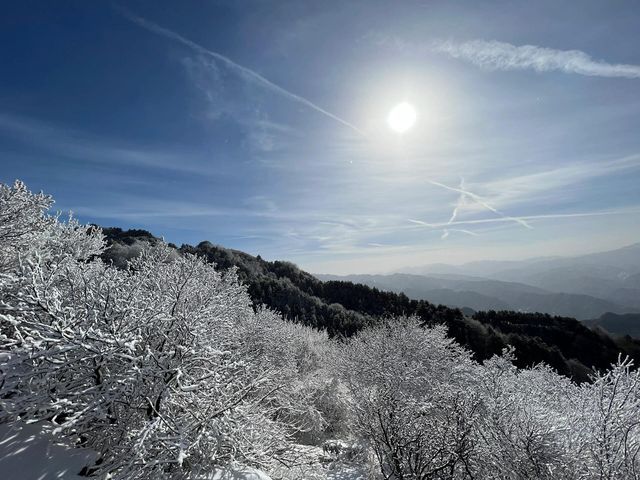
487 294
612 276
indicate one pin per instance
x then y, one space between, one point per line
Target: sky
262 126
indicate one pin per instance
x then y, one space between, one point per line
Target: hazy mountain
625 259
612 276
481 268
486 294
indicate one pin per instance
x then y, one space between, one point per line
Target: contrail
447 231
459 202
482 202
244 71
528 217
454 214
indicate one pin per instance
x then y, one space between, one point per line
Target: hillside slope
628 324
343 308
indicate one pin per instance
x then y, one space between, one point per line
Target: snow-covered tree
610 423
527 425
413 399
540 425
428 412
154 366
23 219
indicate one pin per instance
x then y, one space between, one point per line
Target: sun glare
402 117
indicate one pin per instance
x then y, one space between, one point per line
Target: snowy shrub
609 424
527 423
332 400
22 223
540 425
333 447
342 450
428 411
152 366
414 401
299 353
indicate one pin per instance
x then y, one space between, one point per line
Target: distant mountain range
584 287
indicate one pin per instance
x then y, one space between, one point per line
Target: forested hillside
618 325
344 308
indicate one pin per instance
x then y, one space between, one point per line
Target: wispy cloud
83 147
226 99
244 72
144 208
496 55
534 186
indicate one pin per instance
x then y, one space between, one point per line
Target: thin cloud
243 71
494 55
83 147
531 185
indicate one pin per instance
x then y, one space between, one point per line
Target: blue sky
262 125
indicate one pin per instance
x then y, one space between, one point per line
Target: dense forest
616 324
344 308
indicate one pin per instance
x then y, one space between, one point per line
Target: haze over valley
584 287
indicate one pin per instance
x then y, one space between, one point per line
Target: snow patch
31 452
240 473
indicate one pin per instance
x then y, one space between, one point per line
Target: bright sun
402 117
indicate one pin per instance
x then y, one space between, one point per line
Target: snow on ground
29 452
243 473
347 472
310 462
